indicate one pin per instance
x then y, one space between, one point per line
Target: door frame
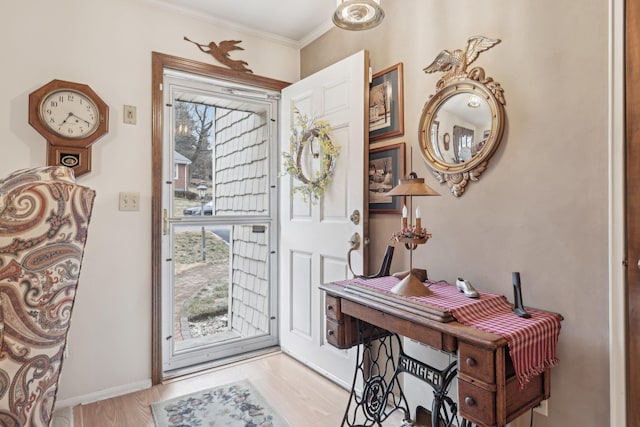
632 203
160 62
616 224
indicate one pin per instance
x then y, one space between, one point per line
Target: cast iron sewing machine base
382 396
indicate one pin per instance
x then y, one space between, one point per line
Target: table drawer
344 334
476 404
336 334
332 308
477 363
530 395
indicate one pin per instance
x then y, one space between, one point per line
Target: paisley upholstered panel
44 217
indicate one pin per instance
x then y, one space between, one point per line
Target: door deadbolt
355 217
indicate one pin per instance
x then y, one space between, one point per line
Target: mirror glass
460 128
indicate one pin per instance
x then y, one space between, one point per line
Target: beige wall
108 45
541 207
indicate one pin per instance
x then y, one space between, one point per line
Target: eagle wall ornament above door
220 53
470 103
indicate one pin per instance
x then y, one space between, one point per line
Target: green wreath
311 132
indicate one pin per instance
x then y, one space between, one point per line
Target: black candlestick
518 308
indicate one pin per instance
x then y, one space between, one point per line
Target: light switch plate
129 201
130 115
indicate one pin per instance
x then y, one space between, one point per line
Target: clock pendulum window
71 117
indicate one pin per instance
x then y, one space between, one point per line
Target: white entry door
315 236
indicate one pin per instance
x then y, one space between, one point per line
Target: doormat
233 405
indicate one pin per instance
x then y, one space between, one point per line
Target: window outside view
221 286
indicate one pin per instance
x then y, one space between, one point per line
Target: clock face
69 114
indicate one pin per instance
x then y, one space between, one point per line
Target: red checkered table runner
532 342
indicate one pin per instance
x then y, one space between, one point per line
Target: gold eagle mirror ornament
462 123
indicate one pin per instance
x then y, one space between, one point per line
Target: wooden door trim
160 62
632 199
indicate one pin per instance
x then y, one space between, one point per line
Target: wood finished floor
303 397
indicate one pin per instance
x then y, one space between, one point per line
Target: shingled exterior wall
241 188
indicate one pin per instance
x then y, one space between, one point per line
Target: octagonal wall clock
71 117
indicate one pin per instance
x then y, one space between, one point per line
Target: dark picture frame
386 167
386 103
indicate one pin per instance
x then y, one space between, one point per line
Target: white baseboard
103 394
62 417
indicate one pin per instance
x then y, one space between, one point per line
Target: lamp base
411 286
420 273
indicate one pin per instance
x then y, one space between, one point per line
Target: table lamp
411 235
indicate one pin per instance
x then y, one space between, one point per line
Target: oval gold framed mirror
462 123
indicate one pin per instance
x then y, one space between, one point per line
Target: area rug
232 405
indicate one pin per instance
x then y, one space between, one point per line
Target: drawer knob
330 332
329 307
471 361
469 401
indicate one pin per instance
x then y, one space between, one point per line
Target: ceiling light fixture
474 101
356 15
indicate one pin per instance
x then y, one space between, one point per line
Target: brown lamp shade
412 187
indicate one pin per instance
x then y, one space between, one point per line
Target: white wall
108 45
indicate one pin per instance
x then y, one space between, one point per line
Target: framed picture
386 104
386 167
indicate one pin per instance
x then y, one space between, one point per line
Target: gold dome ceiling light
356 15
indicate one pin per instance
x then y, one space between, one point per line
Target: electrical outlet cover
542 408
